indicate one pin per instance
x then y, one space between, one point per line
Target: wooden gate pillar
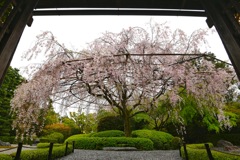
224 15
14 15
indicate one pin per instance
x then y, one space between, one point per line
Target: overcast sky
76 31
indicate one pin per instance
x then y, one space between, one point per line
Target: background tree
160 114
71 123
80 122
127 72
11 81
52 117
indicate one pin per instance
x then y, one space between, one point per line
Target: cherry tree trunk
127 124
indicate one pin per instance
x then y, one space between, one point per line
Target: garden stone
223 143
227 146
4 143
231 148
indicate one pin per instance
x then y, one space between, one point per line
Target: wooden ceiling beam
120 12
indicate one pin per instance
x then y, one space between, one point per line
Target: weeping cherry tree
128 72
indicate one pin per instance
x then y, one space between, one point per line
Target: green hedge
109 133
41 154
161 140
47 145
5 157
199 146
198 152
100 142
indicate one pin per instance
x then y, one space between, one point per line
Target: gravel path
13 150
123 155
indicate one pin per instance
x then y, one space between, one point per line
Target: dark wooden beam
137 4
12 35
225 29
136 12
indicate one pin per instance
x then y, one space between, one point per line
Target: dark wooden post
50 151
185 151
180 153
209 152
66 149
73 145
19 149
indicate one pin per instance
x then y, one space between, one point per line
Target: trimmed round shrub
100 142
176 141
54 137
161 140
110 133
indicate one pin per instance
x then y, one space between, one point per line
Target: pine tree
11 81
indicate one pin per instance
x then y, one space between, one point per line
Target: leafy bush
54 137
198 152
5 157
41 154
161 140
110 133
110 123
100 142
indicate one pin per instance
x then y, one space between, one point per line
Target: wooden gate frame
12 29
220 13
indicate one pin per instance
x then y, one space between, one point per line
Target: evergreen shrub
161 140
54 137
9 139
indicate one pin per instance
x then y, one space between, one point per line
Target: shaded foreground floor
123 155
